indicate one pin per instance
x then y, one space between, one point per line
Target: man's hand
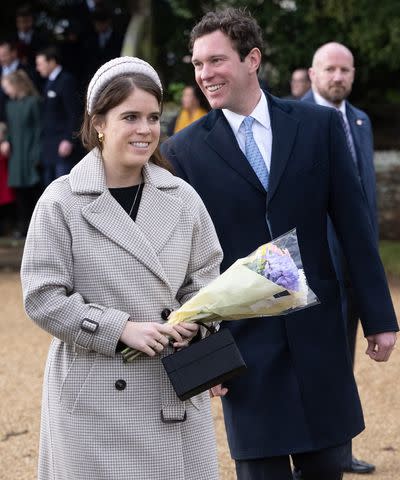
218 391
65 148
380 346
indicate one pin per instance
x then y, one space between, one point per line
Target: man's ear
254 59
311 74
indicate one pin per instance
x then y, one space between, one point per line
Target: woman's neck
116 178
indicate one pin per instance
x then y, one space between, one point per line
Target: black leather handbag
204 363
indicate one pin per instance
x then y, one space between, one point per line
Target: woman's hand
188 331
150 337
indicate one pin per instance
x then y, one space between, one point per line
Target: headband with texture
114 68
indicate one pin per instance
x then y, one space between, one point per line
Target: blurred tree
293 29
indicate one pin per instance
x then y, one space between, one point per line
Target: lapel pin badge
359 121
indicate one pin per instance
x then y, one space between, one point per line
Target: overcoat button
165 314
120 384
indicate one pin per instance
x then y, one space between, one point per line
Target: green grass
390 254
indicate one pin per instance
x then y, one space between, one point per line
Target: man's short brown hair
237 24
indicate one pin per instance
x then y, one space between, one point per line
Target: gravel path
23 349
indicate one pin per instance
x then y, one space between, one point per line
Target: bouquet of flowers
268 282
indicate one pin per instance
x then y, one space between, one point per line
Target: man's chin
338 96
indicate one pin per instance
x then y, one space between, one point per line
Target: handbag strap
211 329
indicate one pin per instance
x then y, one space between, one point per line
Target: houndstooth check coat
87 269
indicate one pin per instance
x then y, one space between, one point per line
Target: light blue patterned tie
253 154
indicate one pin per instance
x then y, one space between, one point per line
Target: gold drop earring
100 136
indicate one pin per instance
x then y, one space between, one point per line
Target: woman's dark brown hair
113 95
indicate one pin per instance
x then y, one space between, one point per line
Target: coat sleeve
206 255
48 286
37 132
69 97
353 225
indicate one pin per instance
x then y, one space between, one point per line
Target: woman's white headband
114 68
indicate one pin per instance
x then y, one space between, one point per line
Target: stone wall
387 165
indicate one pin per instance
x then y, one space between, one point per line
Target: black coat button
120 384
165 314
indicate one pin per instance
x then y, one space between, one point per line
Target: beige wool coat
87 269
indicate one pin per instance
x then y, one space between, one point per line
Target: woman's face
189 99
131 133
10 89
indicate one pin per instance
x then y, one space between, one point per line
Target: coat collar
284 130
159 210
88 176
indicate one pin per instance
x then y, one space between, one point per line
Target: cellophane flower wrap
268 282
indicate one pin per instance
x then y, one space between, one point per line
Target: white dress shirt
262 131
11 68
54 74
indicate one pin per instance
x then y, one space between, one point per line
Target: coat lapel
223 141
284 131
145 237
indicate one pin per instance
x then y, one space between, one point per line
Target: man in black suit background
29 39
103 43
60 123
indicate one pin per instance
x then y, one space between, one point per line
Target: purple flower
281 269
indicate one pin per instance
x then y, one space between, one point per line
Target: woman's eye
155 118
130 118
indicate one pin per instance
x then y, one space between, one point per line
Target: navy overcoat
60 118
361 131
299 393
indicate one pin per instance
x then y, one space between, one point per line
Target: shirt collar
325 103
54 74
91 4
107 33
25 36
10 68
260 113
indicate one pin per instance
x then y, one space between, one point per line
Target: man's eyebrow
211 57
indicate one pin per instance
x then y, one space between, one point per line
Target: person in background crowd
23 145
262 167
29 40
112 248
60 118
299 84
332 76
103 44
7 195
193 107
9 63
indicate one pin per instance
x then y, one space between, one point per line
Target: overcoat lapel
145 237
284 131
223 141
